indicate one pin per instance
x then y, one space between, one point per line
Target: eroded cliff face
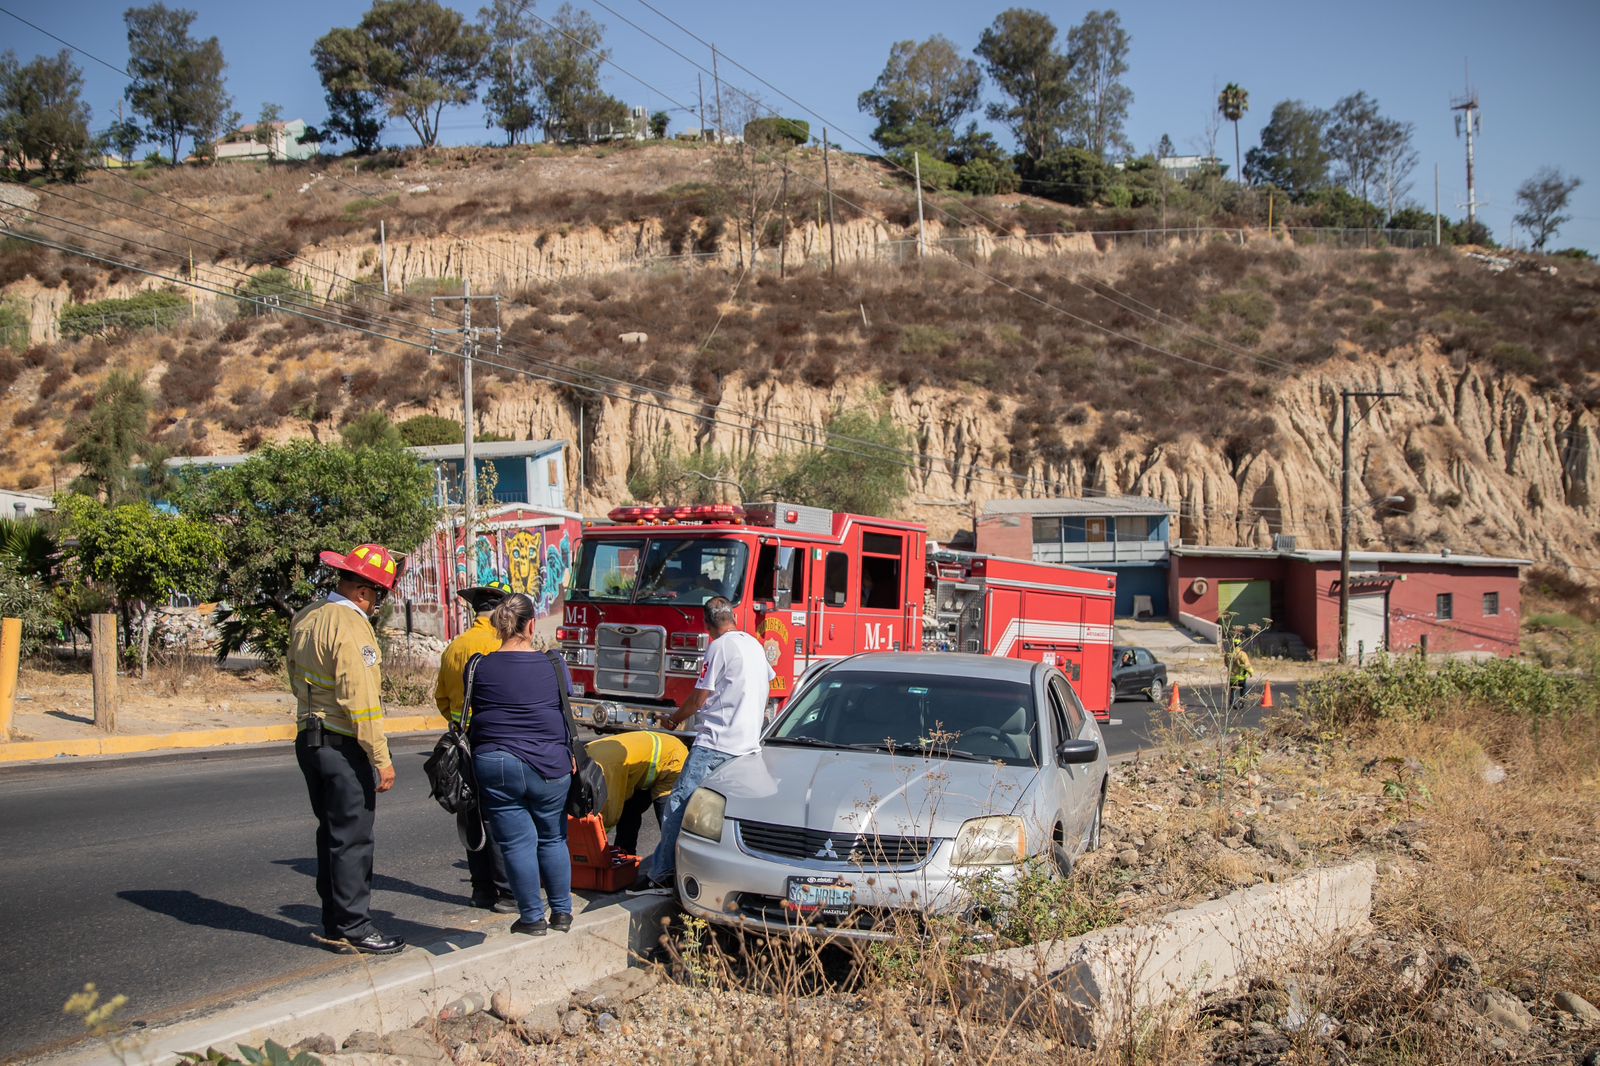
1486 463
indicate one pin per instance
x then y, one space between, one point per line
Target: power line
69 44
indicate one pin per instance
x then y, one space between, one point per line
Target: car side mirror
1073 752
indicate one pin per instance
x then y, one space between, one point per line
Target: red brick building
1399 601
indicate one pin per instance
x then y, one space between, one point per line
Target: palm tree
1233 102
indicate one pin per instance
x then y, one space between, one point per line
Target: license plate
830 897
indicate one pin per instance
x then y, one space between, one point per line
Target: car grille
630 660
822 845
772 910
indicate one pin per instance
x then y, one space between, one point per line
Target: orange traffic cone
1266 695
1173 706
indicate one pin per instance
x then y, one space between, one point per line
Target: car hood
857 792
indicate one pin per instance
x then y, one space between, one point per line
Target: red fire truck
813 585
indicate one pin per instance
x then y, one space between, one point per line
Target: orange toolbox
597 866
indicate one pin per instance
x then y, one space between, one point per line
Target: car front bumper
723 882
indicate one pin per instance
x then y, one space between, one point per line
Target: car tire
1059 855
1157 689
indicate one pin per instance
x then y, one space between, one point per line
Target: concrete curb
391 994
38 750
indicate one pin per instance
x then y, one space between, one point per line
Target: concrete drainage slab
1096 986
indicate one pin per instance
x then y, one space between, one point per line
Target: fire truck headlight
1001 840
603 712
704 814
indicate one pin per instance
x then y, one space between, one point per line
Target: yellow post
10 653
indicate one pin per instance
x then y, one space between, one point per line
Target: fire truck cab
811 584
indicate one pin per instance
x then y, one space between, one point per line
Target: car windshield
941 717
676 570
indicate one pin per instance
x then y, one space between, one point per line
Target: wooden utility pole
469 472
1345 396
827 175
700 88
783 222
716 84
922 232
103 669
383 255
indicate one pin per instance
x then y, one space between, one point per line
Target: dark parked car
1135 672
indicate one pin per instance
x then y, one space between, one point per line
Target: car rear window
981 717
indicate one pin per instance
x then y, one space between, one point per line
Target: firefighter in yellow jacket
334 671
641 771
486 867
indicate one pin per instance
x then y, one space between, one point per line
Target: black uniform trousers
632 818
343 789
487 868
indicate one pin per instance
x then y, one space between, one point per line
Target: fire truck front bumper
612 716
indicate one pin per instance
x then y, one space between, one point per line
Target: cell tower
1468 122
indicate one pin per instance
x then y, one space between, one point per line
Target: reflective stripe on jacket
638 761
335 672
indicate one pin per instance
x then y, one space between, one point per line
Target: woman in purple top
522 753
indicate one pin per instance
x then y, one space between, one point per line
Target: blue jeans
527 817
702 760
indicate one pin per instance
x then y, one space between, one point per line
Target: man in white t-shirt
731 698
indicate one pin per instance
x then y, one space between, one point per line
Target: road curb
390 994
40 750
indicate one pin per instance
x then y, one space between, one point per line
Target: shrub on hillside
424 431
15 329
766 131
1409 688
148 310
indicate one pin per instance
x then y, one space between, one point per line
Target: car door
1149 669
1078 788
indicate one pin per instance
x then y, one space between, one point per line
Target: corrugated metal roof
1327 556
1080 505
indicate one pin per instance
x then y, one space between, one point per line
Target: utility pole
1436 233
1345 396
469 472
783 234
1468 121
700 89
383 255
716 84
827 176
922 232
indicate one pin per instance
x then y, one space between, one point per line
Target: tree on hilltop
923 92
1373 152
177 85
416 57
1292 155
566 59
1232 103
1543 198
355 108
508 99
1020 56
43 119
1097 51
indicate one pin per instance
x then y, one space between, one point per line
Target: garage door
1369 625
1250 602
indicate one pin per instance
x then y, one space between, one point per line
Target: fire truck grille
860 849
630 660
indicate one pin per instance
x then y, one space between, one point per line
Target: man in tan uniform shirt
334 672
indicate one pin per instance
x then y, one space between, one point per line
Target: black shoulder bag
586 794
450 778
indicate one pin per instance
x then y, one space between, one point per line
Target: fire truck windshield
672 570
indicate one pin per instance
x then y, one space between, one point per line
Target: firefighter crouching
641 771
1237 661
334 671
491 890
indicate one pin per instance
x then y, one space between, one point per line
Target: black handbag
451 780
586 794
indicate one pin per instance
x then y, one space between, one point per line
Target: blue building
1127 535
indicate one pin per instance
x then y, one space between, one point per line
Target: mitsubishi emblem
826 851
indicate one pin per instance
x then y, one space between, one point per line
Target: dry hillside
1204 369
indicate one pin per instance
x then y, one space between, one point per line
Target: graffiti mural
530 550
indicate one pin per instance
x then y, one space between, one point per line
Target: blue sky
1532 64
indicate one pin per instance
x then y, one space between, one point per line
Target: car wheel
1157 689
1059 855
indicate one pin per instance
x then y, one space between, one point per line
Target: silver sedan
889 783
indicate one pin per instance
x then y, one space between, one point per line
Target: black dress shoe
374 943
539 928
561 921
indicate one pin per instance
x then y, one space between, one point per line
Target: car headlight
1001 840
703 815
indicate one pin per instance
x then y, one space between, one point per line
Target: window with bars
1444 606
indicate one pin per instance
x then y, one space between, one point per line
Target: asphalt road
185 882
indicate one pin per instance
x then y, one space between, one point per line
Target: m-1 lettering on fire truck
877 636
576 616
